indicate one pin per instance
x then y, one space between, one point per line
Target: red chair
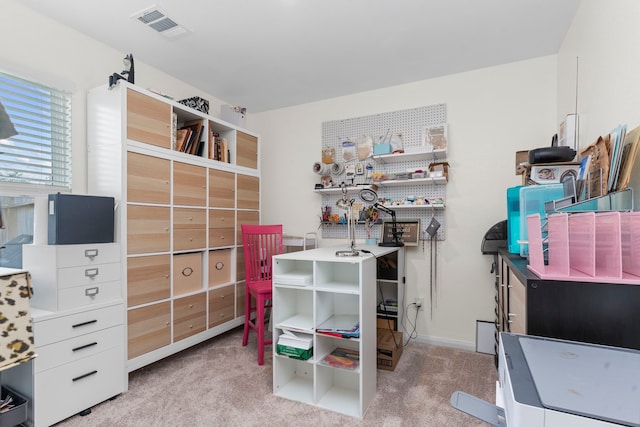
260 243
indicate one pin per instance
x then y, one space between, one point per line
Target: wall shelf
409 157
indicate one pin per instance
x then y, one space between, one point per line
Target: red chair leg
247 318
259 322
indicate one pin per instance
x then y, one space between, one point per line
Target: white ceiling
267 54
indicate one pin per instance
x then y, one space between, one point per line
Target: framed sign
410 230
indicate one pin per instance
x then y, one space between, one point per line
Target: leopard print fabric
16 332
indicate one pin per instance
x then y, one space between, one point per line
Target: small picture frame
435 137
410 231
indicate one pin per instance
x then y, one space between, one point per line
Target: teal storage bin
513 219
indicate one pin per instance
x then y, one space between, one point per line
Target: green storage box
294 353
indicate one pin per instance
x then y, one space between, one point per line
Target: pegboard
410 125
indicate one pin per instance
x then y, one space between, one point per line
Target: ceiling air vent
156 18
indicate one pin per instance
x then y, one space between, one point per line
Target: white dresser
78 318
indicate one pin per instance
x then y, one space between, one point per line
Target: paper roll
321 169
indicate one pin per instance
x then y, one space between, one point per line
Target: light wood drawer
221 305
148 120
85 295
187 273
189 185
191 238
240 267
47 331
240 299
148 179
88 275
517 306
246 217
219 267
148 229
148 279
221 218
222 189
73 387
219 237
184 218
68 351
149 328
248 193
246 150
190 314
86 255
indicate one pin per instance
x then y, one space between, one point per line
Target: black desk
599 313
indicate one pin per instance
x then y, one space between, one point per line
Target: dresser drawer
221 305
71 350
88 275
68 389
86 255
191 238
96 293
221 237
189 316
47 331
189 218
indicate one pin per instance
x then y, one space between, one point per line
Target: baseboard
445 342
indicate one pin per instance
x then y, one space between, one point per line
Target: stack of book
188 138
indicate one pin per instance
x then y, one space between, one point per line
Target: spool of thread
337 169
321 169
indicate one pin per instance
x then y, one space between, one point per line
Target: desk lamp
347 204
370 196
397 235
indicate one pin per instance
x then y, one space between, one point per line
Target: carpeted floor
219 383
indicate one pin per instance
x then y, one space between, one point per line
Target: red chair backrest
260 243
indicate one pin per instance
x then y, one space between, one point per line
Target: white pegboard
410 125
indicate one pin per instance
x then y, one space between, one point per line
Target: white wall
39 48
604 37
492 113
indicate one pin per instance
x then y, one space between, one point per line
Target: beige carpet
219 383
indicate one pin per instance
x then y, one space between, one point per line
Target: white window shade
41 152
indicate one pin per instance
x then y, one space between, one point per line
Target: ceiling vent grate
157 19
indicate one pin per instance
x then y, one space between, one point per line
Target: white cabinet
78 328
331 290
80 363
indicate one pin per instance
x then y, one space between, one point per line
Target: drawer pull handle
219 265
187 271
92 292
77 325
92 272
91 253
85 346
88 374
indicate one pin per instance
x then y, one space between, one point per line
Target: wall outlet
419 302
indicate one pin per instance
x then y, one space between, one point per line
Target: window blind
41 152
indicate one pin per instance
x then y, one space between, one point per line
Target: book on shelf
182 137
629 155
340 326
343 358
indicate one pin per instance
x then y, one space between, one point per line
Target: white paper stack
295 279
290 339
